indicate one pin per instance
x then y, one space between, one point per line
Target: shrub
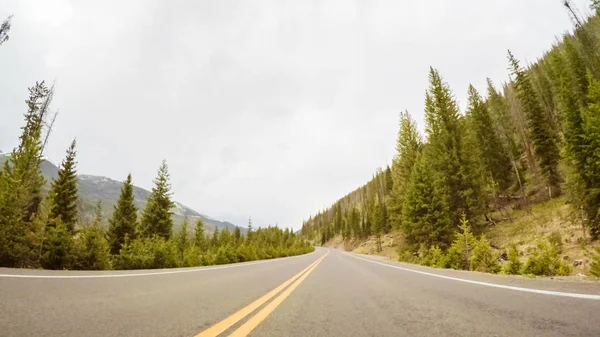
595 266
57 246
91 250
545 260
435 257
147 253
191 257
405 255
555 240
513 265
483 258
459 254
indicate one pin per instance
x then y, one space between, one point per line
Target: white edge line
494 285
150 273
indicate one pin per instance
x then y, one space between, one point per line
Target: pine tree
237 235
546 150
571 104
425 214
20 186
389 181
57 246
199 237
156 219
494 155
461 251
500 113
225 237
97 221
545 92
513 265
456 167
591 170
214 241
182 237
408 147
91 249
96 253
483 258
123 223
577 68
64 195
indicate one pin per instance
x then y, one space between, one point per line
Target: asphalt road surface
325 293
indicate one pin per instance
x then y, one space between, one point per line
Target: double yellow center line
254 321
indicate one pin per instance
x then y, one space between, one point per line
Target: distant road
325 293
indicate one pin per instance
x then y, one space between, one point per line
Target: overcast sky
269 109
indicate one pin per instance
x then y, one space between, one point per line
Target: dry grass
523 231
544 219
389 245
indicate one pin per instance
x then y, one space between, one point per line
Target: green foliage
503 121
123 222
38 232
156 219
555 240
460 252
147 253
513 265
63 192
225 237
20 186
91 250
591 168
214 241
544 140
491 150
57 246
483 258
545 260
595 266
434 258
237 235
199 236
182 240
454 163
425 214
408 147
192 256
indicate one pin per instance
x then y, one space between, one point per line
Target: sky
264 109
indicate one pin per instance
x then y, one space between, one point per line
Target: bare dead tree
4 29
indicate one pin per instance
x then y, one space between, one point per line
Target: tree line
39 229
533 139
44 228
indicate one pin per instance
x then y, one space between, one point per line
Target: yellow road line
225 324
253 322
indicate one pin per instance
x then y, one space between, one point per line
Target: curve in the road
487 284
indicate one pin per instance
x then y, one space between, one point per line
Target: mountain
93 188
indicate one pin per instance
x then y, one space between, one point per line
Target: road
325 293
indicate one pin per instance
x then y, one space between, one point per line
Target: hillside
93 188
511 183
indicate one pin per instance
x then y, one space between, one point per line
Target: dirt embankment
522 228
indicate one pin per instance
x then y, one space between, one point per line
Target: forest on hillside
46 230
532 139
